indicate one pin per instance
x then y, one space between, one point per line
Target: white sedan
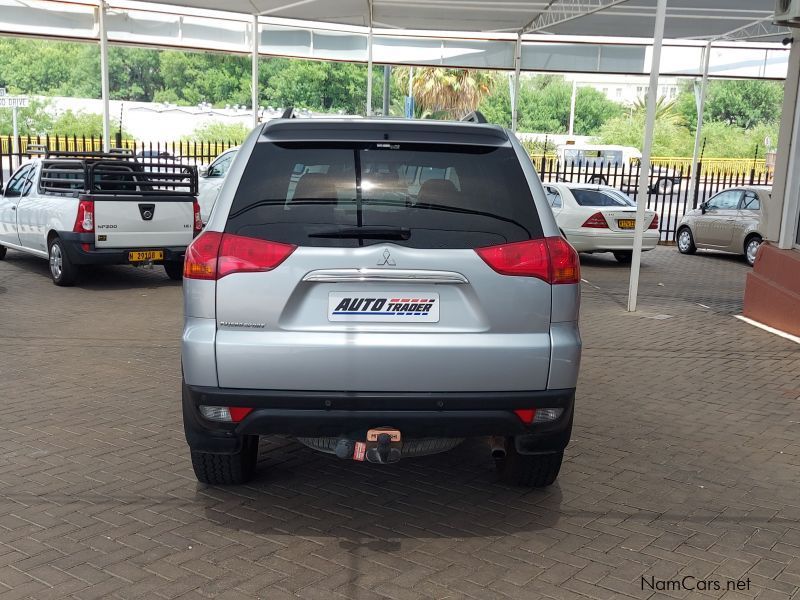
211 179
599 218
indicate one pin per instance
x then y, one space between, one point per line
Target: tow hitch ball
382 446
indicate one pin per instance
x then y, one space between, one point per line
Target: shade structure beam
562 11
763 28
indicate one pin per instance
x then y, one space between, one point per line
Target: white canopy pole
254 72
701 103
369 64
515 94
644 173
572 106
101 21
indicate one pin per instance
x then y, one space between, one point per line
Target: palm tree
666 110
447 93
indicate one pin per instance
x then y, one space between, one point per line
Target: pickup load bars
116 173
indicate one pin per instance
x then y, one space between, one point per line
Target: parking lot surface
685 461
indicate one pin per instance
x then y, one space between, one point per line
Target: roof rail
37 149
289 113
475 116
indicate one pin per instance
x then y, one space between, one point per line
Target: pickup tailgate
145 222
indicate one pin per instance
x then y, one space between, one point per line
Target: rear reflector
550 259
531 416
596 221
213 255
526 415
225 414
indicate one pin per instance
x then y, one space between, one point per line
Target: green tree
218 131
544 103
33 120
81 124
744 103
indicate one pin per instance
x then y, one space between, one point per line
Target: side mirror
202 171
1 189
703 207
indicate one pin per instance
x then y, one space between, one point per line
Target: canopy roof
699 19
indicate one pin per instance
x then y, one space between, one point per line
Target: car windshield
418 195
612 198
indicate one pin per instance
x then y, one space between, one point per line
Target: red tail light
84 221
654 223
526 415
238 413
239 254
198 221
550 259
201 256
213 255
597 220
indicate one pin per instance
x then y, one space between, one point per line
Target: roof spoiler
475 116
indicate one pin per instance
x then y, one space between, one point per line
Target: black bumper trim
73 244
415 414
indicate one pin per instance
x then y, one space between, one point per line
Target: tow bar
382 445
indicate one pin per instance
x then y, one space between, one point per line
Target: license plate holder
383 307
136 256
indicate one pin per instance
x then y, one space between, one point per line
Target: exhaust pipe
497 447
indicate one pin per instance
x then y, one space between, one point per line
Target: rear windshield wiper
365 233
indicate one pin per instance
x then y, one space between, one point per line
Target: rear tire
623 257
751 245
174 270
529 470
62 271
227 469
3 251
685 241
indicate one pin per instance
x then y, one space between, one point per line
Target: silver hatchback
380 289
729 221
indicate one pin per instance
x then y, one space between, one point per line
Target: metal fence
668 194
15 151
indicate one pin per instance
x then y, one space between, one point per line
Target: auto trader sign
14 101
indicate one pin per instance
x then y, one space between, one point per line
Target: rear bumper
584 241
81 250
415 414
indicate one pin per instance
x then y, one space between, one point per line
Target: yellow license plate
145 255
627 223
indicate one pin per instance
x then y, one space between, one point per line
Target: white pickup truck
77 209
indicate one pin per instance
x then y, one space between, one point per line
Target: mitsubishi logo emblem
387 259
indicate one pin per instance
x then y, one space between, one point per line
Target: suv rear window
416 195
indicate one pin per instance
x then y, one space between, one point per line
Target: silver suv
380 289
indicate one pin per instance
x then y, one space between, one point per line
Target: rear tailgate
143 222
